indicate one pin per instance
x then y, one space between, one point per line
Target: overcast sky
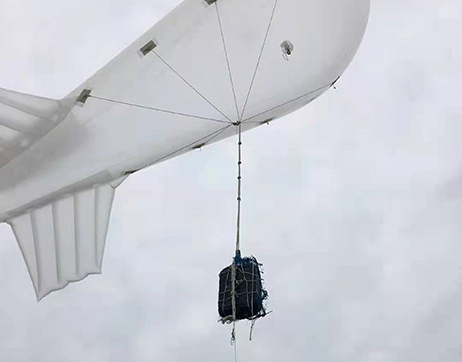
353 204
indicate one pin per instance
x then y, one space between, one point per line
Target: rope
251 305
291 101
251 328
156 109
227 61
191 86
259 58
233 295
212 136
233 341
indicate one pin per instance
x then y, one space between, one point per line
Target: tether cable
259 59
288 102
227 61
208 138
157 109
190 85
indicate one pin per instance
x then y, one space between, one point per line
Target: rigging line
212 136
235 346
227 61
259 58
157 109
233 340
285 103
191 86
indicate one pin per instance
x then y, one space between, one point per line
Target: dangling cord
251 308
233 294
233 341
251 329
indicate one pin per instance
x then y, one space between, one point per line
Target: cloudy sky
353 204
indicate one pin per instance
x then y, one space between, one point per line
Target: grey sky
353 204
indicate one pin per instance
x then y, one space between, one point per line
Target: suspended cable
259 58
157 109
288 102
234 342
227 61
210 137
191 86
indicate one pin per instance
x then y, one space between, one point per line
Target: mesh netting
249 292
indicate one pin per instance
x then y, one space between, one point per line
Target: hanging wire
234 342
252 302
259 59
331 84
156 109
208 138
252 325
190 85
227 61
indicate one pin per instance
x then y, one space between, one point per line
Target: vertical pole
239 185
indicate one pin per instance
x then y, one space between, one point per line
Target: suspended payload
241 294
